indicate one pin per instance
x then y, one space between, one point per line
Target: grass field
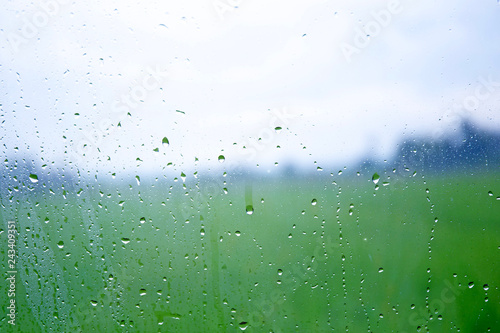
318 254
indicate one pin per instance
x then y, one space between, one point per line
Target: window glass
227 165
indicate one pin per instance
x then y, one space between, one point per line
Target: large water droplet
34 178
249 209
375 178
221 158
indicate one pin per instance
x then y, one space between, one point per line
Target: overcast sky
342 79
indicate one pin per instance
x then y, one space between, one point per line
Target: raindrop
243 325
34 178
375 178
221 158
471 284
249 209
314 202
165 142
94 303
60 244
486 287
125 240
237 233
490 193
278 129
380 270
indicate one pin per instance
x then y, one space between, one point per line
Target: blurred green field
318 254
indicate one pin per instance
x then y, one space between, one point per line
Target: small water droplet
471 284
125 240
237 233
243 325
165 142
380 270
375 178
221 158
486 287
33 178
314 202
278 129
249 209
60 244
94 303
490 193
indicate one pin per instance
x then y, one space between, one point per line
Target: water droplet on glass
60 244
221 158
34 178
375 178
165 142
314 202
380 270
249 209
243 325
471 284
125 240
278 129
486 287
